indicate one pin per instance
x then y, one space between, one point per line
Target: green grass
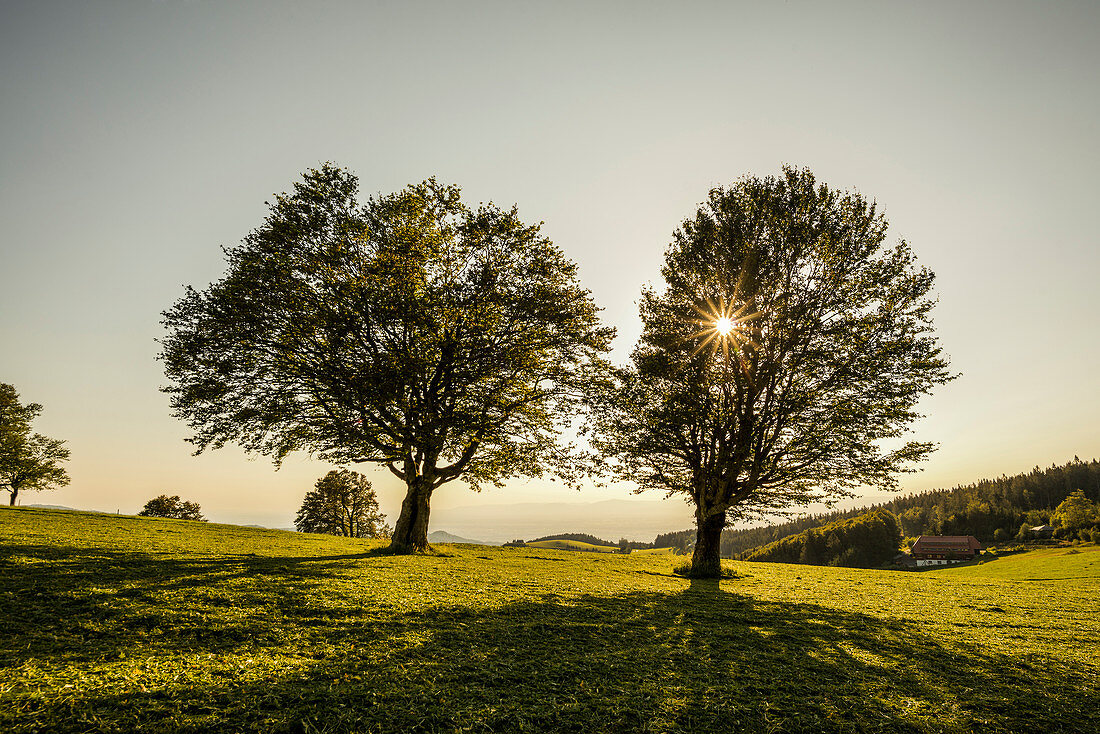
573 545
127 624
654 551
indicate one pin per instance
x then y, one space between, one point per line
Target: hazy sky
138 138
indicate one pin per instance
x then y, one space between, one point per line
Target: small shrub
173 508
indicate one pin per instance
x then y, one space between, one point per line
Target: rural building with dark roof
939 550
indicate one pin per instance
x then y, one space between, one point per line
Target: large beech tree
789 344
440 341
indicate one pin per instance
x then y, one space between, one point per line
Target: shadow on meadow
284 655
85 605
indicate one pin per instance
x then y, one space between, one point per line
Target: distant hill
992 510
63 507
869 540
637 518
573 545
101 512
442 536
580 537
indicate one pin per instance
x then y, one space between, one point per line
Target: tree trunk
706 561
410 534
12 496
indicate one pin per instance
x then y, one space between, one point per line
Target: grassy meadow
129 624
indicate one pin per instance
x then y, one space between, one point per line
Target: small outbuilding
1044 532
939 550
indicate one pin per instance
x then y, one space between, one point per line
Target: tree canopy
342 503
1075 511
28 461
172 507
439 341
789 342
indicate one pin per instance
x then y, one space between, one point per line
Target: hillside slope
129 624
442 536
980 509
573 545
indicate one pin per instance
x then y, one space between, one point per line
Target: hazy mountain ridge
442 536
639 520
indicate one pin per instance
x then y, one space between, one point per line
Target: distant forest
623 543
579 537
869 540
991 510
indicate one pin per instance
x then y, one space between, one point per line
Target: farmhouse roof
941 543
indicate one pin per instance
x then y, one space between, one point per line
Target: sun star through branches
722 326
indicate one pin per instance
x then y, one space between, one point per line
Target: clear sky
138 138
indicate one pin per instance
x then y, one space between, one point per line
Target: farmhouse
939 550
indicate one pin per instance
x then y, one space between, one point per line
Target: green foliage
15 418
126 624
681 541
173 508
342 503
440 341
830 348
1024 533
28 461
866 541
1075 511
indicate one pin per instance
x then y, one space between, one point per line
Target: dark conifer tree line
865 541
991 510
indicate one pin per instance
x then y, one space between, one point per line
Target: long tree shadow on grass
86 604
704 659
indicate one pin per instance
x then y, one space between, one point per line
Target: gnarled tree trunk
706 561
410 534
